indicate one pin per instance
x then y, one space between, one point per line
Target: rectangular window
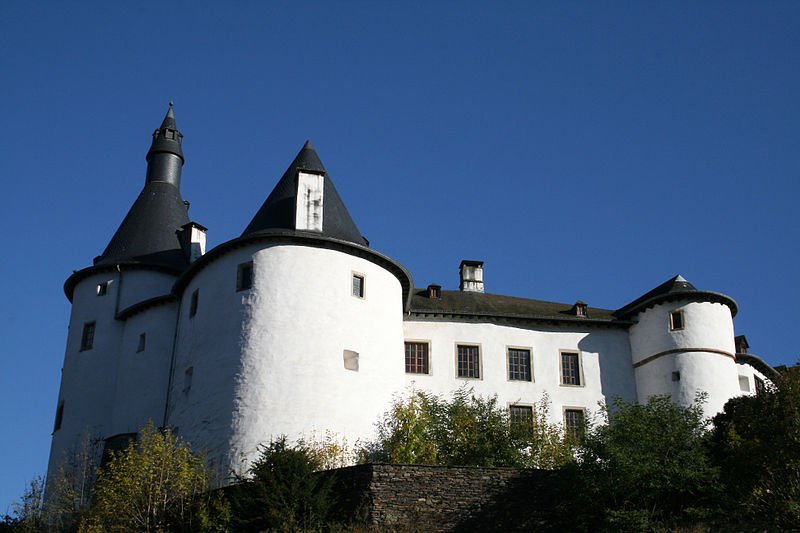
417 358
59 416
519 364
469 362
521 416
570 368
244 276
142 342
102 288
87 336
193 303
574 423
761 388
744 384
358 285
676 320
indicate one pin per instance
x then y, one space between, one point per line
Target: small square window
87 336
142 342
676 320
469 362
570 368
574 423
102 288
350 360
193 303
744 384
519 364
244 276
358 285
417 361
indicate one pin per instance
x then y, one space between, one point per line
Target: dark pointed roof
167 138
148 234
278 211
677 288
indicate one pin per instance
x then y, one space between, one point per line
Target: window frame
525 406
142 346
578 373
87 335
59 416
427 356
682 319
102 288
194 303
362 295
241 268
478 365
528 349
573 409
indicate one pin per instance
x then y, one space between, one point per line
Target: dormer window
434 292
580 309
676 320
308 212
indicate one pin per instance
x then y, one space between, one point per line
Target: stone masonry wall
444 498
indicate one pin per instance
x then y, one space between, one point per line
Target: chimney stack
471 276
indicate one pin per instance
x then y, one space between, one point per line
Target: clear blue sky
584 150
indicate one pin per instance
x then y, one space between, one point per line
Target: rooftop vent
471 276
579 309
434 292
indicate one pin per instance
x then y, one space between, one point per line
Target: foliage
155 484
466 430
29 511
330 451
756 444
282 492
646 469
69 490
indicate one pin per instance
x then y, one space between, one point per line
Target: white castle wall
269 361
143 376
604 354
140 285
693 353
88 377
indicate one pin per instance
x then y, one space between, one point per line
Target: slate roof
673 289
149 232
278 210
478 305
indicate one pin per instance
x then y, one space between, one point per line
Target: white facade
297 328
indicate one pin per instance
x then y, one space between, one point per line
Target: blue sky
583 150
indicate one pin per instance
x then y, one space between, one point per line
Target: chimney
434 292
471 276
193 240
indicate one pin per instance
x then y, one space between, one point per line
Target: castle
298 326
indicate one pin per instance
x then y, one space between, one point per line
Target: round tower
293 329
116 366
682 344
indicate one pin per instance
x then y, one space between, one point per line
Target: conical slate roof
676 288
278 210
149 232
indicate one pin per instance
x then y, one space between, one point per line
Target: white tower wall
270 361
680 363
88 376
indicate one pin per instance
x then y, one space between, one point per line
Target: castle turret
300 325
122 324
682 344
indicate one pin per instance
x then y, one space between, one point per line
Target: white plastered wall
605 361
269 361
695 358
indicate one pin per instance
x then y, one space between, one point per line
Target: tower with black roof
117 360
295 327
682 344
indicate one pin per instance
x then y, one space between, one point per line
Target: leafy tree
645 469
282 493
756 444
466 430
69 490
155 484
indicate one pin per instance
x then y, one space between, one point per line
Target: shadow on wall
616 369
